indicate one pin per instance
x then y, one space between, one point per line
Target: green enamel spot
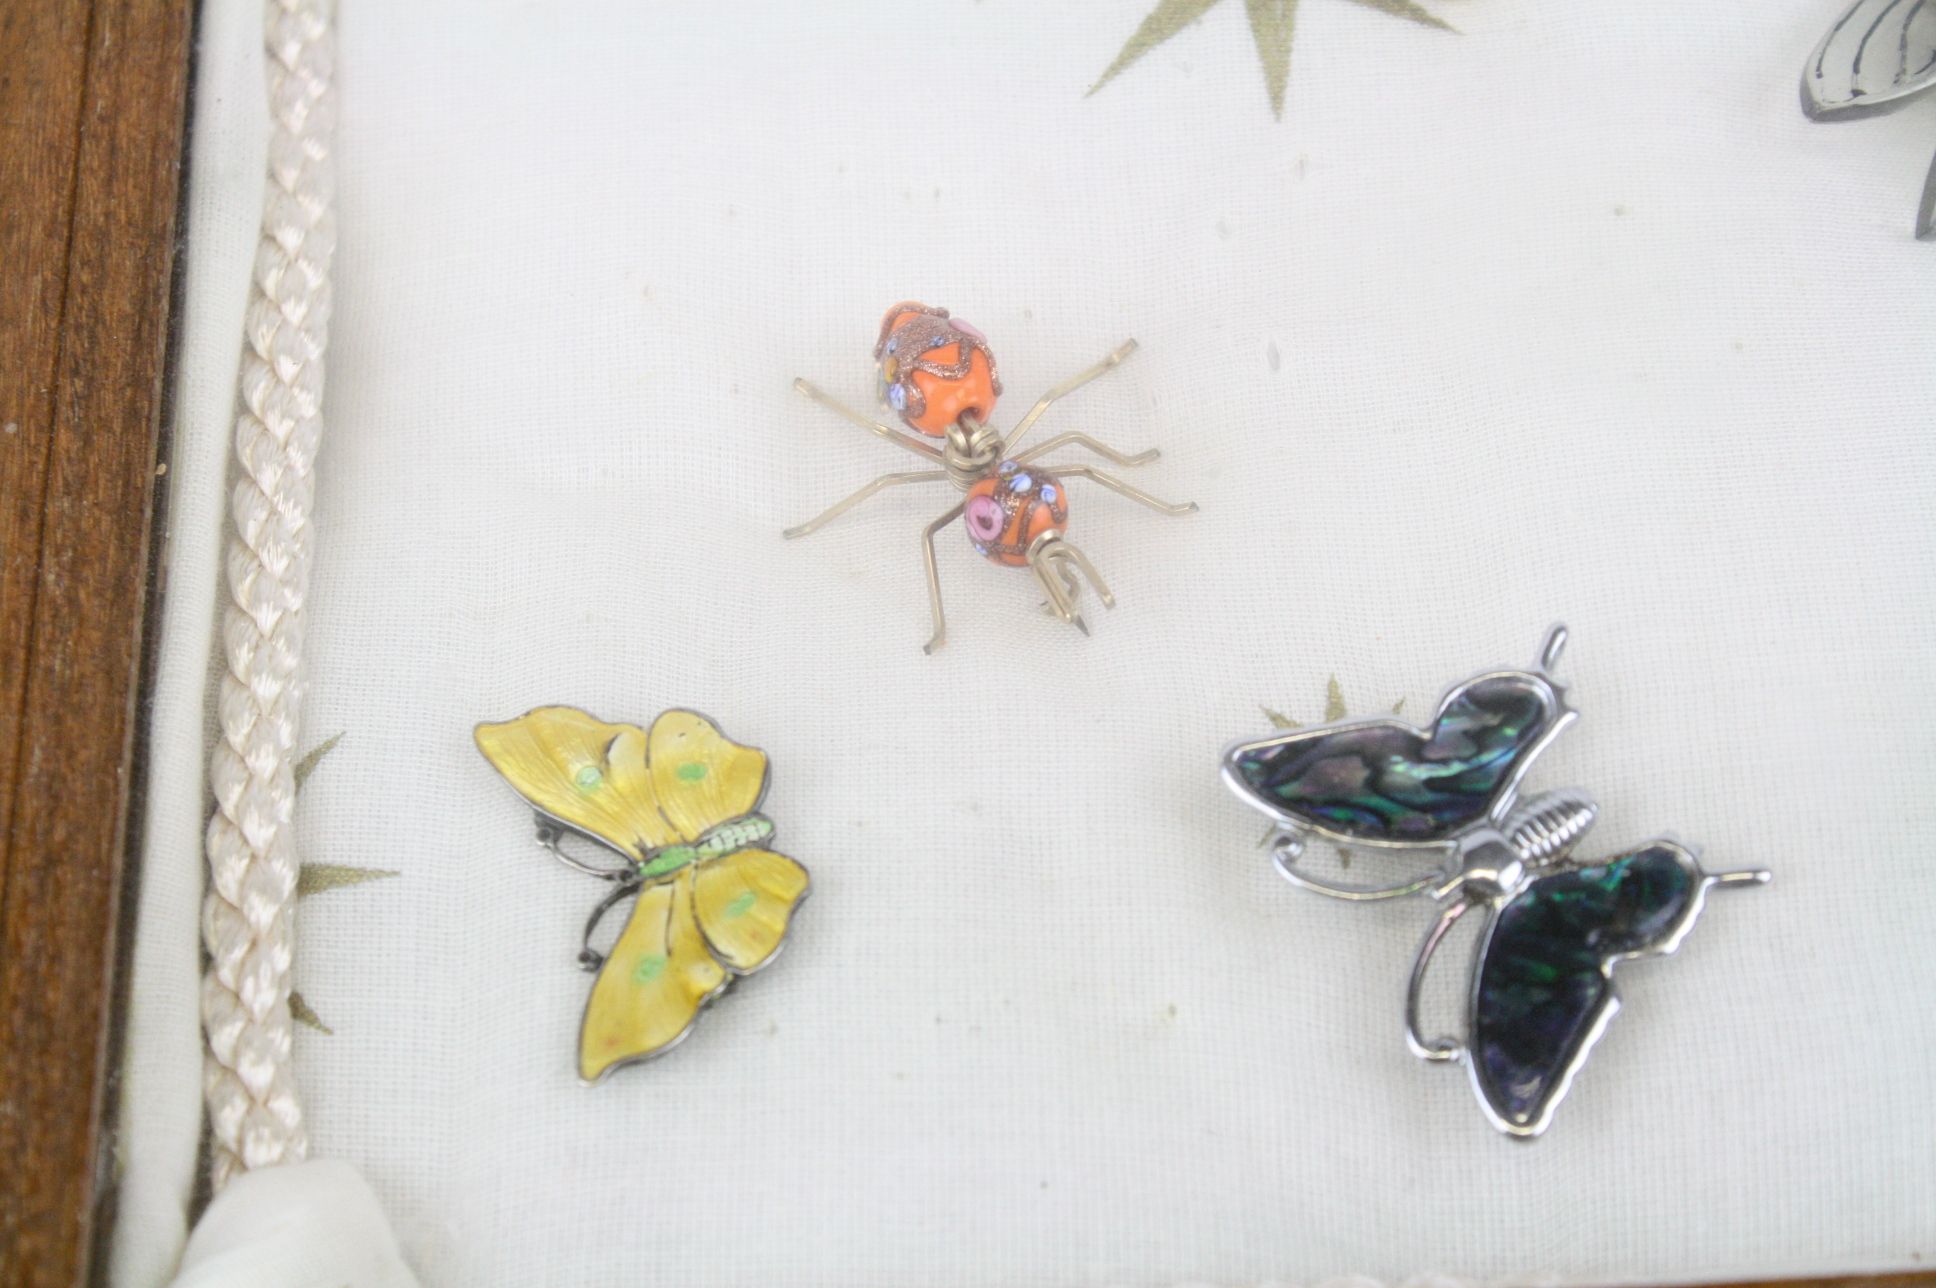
589 777
741 906
691 771
649 968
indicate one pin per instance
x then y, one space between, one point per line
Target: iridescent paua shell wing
1385 781
1543 990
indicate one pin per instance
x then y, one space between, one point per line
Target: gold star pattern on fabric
1272 23
318 878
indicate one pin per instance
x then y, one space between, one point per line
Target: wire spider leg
1060 567
1121 488
1074 555
892 435
1103 450
940 636
1060 585
1069 386
880 484
588 957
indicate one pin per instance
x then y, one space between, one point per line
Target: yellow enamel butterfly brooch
680 806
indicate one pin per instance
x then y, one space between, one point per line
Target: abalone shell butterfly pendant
1541 991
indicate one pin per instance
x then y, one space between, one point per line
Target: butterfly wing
745 902
700 777
588 775
656 978
1543 991
1877 53
1386 781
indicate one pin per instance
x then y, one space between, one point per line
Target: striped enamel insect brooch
938 375
676 811
1541 990
1877 56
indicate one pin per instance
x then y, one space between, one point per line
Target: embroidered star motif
1271 25
316 878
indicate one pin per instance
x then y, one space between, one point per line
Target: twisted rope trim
255 1115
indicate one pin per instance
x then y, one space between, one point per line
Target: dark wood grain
1907 1279
92 98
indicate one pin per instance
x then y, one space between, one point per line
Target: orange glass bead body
1007 511
934 369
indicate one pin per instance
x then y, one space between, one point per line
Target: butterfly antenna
1744 878
1549 652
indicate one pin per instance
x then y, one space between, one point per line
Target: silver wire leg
1434 1049
1069 386
1121 488
1056 564
1103 450
940 636
880 484
1061 590
590 958
872 426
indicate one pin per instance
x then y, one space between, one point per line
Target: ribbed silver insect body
1541 991
1877 56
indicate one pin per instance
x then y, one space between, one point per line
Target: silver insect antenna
1739 880
1550 650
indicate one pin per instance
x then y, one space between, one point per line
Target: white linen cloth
304 1225
1573 316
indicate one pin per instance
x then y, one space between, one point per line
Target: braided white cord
255 1116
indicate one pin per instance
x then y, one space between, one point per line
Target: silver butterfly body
1877 56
